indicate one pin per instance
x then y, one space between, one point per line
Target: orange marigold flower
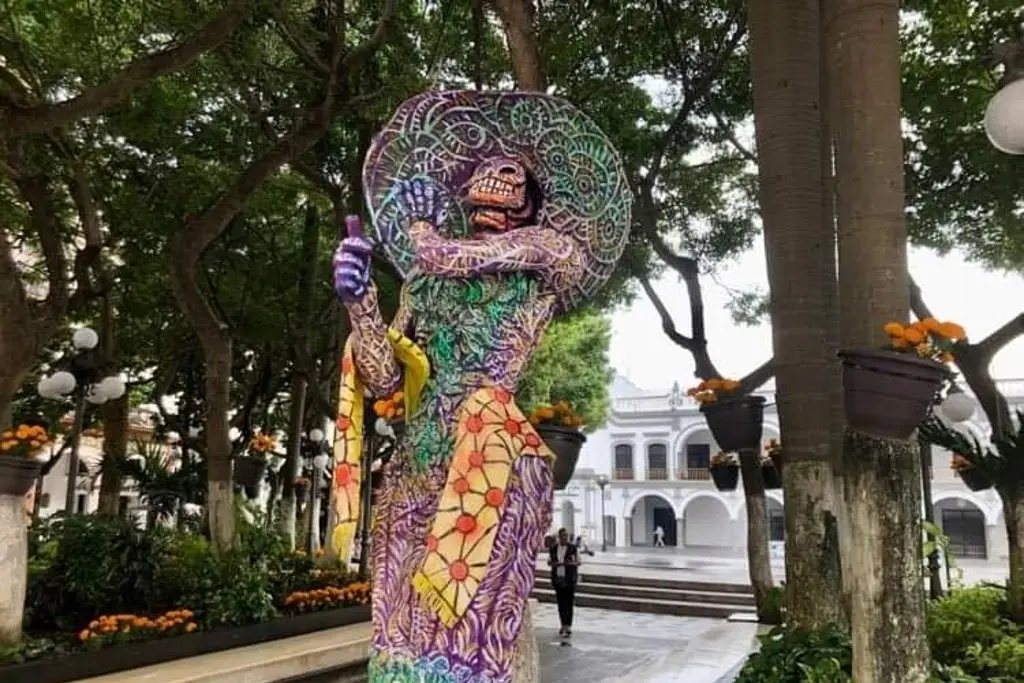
912 335
894 329
900 343
951 331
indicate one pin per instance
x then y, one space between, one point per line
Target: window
80 504
966 531
657 462
698 456
623 461
776 523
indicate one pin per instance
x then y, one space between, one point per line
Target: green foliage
970 636
970 628
571 364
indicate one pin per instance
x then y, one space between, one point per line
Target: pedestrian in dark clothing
564 561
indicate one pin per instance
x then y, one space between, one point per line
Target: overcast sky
954 289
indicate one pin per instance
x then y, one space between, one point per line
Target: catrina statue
500 210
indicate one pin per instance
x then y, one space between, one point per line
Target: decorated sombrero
444 136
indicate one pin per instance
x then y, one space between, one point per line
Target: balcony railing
657 474
964 551
623 474
695 474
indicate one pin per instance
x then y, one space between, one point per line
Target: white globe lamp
85 338
958 407
320 461
316 435
62 383
1004 118
45 388
96 395
112 387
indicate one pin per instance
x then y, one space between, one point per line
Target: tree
571 364
794 162
880 475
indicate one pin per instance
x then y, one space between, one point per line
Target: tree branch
43 117
518 19
995 342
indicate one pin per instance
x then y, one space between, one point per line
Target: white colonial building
655 453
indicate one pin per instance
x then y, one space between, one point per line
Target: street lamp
602 483
1004 117
958 407
84 381
314 453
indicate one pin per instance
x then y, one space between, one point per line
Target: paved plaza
618 647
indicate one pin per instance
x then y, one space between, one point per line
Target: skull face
498 194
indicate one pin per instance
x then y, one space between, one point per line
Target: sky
954 289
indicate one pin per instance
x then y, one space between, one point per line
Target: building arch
637 497
712 495
992 513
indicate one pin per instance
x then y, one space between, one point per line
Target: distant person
582 546
564 561
659 537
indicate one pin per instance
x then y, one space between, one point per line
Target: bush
971 638
969 628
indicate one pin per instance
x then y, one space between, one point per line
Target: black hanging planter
18 474
887 394
736 422
249 473
771 476
726 477
975 479
565 443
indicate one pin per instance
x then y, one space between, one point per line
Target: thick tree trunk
884 501
115 449
517 18
1013 511
13 567
759 559
800 251
882 493
220 507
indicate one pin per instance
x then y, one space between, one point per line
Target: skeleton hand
352 263
421 202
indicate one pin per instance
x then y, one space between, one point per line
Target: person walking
659 537
564 561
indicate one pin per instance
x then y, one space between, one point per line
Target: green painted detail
458 348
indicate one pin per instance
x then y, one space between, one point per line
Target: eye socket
508 170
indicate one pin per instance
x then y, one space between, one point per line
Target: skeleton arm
374 358
530 248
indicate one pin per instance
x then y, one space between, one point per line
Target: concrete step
589 576
587 587
648 606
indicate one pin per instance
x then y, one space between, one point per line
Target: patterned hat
444 136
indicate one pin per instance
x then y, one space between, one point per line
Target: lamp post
314 453
1004 117
84 382
602 483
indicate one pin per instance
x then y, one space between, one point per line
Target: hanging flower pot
969 474
771 475
558 426
725 477
888 394
565 443
249 471
19 467
18 474
735 422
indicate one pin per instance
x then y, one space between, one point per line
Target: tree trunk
13 567
884 500
517 18
220 507
1013 511
800 251
115 449
293 457
759 559
882 494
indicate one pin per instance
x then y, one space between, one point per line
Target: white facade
654 451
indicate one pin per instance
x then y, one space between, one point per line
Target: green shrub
787 655
969 628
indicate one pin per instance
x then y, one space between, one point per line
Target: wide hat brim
445 135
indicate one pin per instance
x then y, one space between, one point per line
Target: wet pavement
619 647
